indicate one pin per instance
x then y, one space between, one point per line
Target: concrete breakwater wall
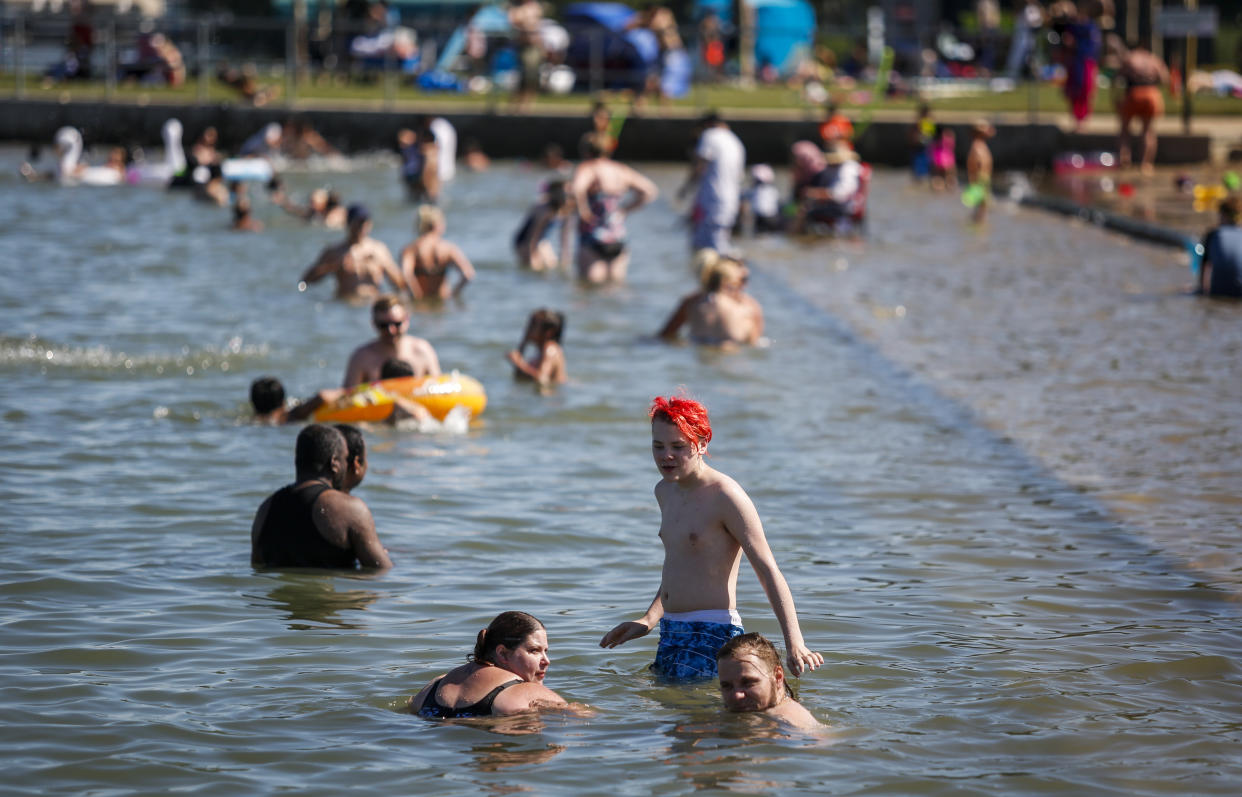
884 142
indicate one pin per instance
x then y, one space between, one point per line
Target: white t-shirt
721 186
446 142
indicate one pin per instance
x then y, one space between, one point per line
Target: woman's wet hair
757 645
267 394
509 629
551 320
592 146
429 217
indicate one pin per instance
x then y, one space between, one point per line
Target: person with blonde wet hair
722 313
752 679
504 674
426 262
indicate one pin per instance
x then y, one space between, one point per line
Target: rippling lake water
999 468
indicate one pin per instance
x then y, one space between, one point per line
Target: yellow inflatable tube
373 401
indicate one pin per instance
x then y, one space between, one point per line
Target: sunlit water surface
998 467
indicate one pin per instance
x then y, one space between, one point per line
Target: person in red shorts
1143 75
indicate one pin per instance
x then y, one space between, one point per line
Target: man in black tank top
312 523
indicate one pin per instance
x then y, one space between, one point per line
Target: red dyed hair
688 415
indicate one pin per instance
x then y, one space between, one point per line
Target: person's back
312 523
289 537
718 318
1223 250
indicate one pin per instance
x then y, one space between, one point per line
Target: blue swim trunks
689 642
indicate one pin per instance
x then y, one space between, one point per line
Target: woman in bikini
425 263
503 676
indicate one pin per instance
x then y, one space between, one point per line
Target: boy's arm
742 521
633 630
324 265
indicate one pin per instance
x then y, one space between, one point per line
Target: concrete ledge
1113 221
663 138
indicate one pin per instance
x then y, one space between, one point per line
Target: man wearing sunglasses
391 320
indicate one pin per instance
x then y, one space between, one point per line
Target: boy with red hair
706 522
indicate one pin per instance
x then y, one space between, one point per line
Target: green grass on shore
1042 98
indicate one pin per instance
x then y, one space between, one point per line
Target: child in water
943 159
533 242
544 329
979 171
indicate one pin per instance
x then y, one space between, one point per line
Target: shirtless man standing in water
360 263
426 262
391 320
706 523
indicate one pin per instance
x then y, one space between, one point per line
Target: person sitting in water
544 329
1220 273
604 192
312 522
722 313
707 521
503 676
533 240
355 456
426 262
360 263
825 185
761 203
267 396
474 157
752 679
391 319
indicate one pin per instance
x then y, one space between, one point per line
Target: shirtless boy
752 679
391 320
426 262
706 523
360 263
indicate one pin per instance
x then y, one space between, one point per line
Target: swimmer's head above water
355 455
321 453
267 394
505 642
357 215
751 675
429 219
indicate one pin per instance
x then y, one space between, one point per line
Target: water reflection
313 598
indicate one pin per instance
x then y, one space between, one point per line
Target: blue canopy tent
598 39
625 56
784 29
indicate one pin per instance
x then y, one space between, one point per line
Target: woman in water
426 262
604 193
503 676
533 242
543 331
